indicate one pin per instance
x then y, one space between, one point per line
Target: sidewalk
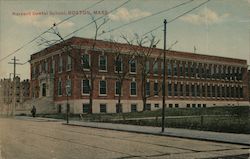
242 139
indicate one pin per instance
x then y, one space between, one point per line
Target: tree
144 53
90 73
122 59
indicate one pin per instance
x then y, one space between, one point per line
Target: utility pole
164 80
14 85
15 63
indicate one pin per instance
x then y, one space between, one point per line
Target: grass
229 124
221 119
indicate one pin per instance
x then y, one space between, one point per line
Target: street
41 139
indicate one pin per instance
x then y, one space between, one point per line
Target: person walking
33 111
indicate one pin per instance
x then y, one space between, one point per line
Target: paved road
42 139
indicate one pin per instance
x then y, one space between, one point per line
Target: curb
160 134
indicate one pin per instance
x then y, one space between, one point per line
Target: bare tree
144 53
122 59
90 73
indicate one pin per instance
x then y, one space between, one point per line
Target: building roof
79 41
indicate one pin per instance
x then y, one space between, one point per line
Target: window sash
59 88
133 88
103 108
117 88
156 89
132 66
103 62
103 87
85 87
85 61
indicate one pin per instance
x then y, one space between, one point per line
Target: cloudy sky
220 27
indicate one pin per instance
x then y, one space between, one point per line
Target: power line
88 23
157 13
172 20
62 21
97 19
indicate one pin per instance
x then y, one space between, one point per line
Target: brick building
193 80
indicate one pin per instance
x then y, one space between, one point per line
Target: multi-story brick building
193 80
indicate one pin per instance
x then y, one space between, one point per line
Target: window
170 105
223 92
181 69
204 105
59 87
187 90
208 91
147 69
188 105
133 108
133 88
85 87
147 88
148 106
157 106
193 105
44 89
199 105
60 64
169 69
52 70
176 105
117 87
186 70
198 90
169 89
103 87
227 92
86 61
192 70
118 64
241 92
85 108
118 108
193 90
156 89
213 91
132 66
69 63
181 89
103 62
162 67
175 89
237 92
175 69
68 87
219 91
155 68
103 108
203 91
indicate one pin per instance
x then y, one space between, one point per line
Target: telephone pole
15 63
164 80
13 109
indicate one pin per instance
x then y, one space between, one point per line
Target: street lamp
67 108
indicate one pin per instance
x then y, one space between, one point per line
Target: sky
220 27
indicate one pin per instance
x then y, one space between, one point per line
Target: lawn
221 119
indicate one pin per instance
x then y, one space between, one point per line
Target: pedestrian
33 111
